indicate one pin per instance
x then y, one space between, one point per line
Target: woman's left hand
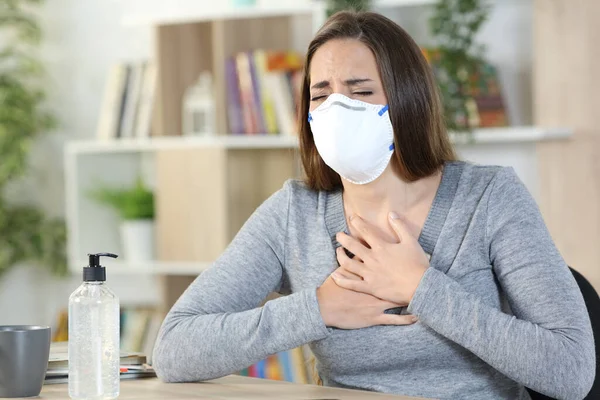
389 271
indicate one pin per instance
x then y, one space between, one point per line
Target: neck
389 192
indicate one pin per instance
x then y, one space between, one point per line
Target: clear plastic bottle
94 357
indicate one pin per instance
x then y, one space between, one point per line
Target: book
132 100
298 363
109 119
263 89
485 103
61 330
137 372
151 334
133 365
275 83
247 97
143 119
261 125
286 366
265 97
234 106
59 357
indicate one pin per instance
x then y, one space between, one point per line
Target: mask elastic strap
383 110
309 117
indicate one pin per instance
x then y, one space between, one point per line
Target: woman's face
348 67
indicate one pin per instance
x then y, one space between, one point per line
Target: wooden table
229 387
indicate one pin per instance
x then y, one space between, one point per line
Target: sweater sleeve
548 344
216 327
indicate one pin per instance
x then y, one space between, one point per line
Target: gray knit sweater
498 308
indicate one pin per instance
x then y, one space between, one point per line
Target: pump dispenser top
95 272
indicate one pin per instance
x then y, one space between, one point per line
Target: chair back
592 302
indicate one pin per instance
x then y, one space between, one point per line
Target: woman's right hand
347 309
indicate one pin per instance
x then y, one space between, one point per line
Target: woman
407 271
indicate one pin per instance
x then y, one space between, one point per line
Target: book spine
286 366
123 103
110 111
282 100
246 95
256 92
234 107
299 363
261 369
143 120
266 100
132 100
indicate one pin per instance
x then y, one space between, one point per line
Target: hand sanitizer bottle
94 336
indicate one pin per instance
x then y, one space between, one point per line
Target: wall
566 93
83 38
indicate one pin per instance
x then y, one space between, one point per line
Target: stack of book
139 327
285 366
485 102
133 365
126 110
263 89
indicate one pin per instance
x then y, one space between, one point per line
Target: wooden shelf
516 134
150 268
179 142
480 136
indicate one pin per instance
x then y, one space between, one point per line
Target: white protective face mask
354 138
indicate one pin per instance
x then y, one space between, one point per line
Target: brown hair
420 138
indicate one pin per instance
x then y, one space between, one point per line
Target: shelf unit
480 136
207 186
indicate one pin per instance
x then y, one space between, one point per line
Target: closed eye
317 98
366 93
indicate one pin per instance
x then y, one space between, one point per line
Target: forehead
343 58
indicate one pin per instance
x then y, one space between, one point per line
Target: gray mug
24 353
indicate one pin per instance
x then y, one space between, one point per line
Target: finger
391 319
347 274
399 226
350 284
348 264
355 246
366 231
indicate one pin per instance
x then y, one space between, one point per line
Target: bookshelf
485 135
206 187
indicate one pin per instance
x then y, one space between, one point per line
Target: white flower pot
137 237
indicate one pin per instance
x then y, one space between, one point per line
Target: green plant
334 6
27 235
132 203
454 25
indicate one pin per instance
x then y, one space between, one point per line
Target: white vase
137 237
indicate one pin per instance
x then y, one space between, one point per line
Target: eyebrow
347 82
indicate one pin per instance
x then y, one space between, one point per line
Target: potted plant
455 25
135 206
28 234
334 6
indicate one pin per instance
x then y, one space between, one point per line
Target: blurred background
153 129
